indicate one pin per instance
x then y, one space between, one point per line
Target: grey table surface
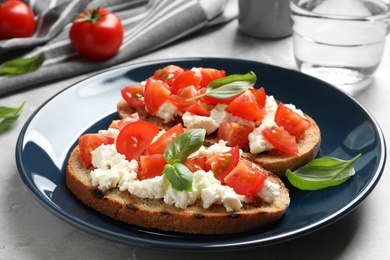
28 231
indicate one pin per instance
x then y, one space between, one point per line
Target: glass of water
340 41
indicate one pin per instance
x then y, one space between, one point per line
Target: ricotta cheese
257 142
211 123
216 148
167 111
113 170
110 166
221 116
111 132
270 191
192 121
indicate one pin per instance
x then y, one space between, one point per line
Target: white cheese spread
192 121
167 111
113 170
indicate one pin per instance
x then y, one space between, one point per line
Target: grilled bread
154 213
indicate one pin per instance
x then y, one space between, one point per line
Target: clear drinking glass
340 41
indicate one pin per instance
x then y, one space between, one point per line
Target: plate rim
202 246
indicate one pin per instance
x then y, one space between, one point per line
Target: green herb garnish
21 66
8 116
176 153
322 173
229 86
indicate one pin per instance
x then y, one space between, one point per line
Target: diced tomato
281 140
234 134
246 178
185 79
187 92
134 95
181 103
134 138
291 121
158 146
209 74
168 74
155 94
246 107
194 106
196 163
198 108
121 123
260 95
222 164
89 142
150 166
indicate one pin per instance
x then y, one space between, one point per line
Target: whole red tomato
96 34
16 20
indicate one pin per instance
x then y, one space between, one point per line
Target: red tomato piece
198 108
120 124
291 121
196 163
281 140
16 20
234 134
168 74
209 74
89 142
181 103
134 95
134 138
246 178
150 166
158 146
194 106
260 95
223 163
155 94
185 79
96 34
246 107
187 92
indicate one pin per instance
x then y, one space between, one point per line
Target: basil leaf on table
322 173
177 152
21 66
229 86
8 116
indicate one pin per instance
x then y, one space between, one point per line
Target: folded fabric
148 26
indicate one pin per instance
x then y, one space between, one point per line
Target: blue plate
347 129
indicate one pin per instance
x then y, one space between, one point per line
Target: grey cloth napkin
148 26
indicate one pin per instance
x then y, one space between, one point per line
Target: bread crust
154 213
275 161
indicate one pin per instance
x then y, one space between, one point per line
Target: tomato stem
91 15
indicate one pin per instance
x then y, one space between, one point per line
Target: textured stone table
28 231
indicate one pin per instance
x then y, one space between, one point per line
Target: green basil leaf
179 176
183 145
229 86
322 173
8 116
21 66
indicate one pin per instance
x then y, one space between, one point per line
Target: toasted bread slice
275 161
154 213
